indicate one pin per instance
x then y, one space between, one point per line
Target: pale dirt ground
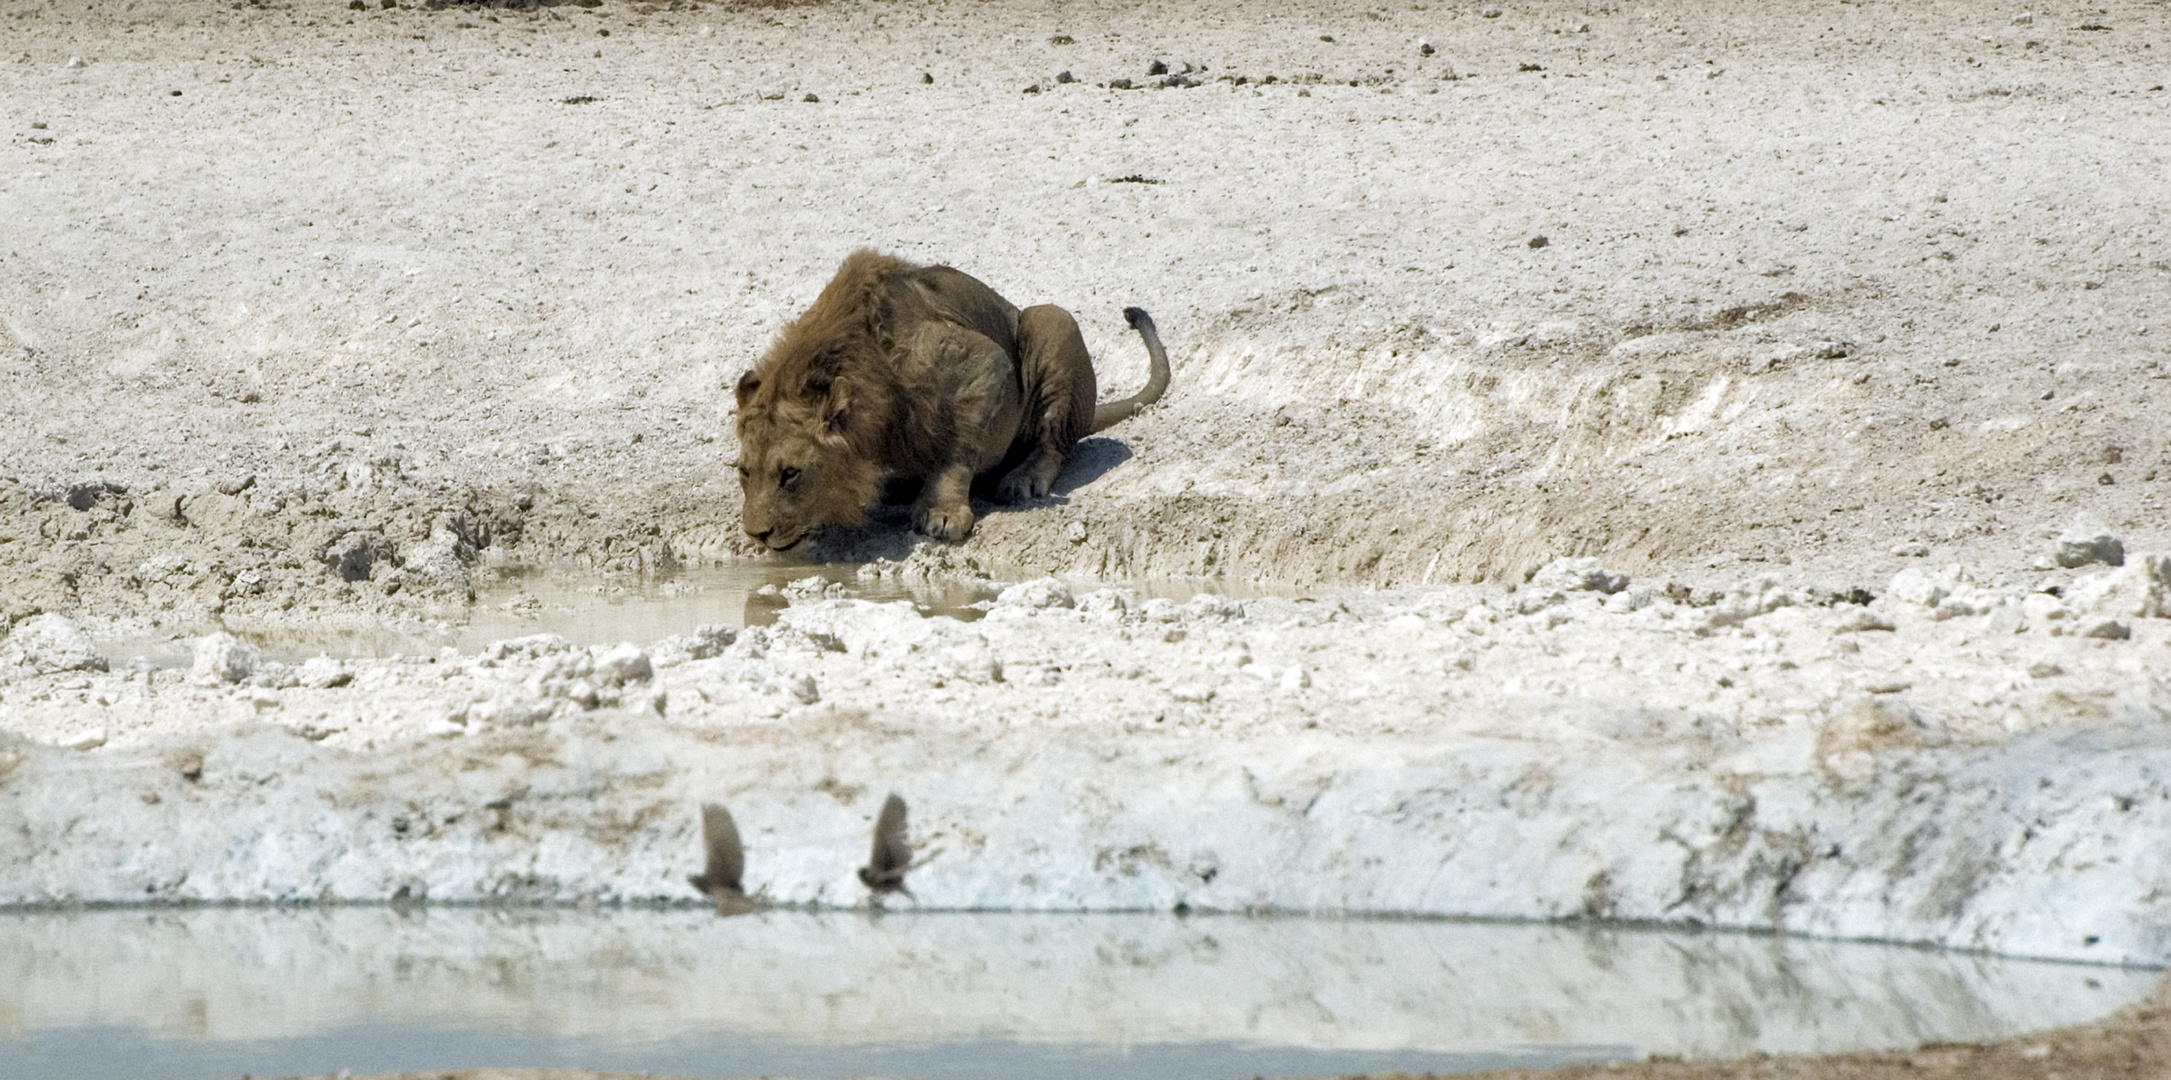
310 314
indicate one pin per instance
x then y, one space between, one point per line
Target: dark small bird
892 855
726 862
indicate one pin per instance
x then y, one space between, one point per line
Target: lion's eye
787 476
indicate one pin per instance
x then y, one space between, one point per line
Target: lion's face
798 476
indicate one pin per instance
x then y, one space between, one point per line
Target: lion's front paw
944 522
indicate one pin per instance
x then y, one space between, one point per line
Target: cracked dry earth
1829 337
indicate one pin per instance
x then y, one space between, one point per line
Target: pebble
48 643
89 740
2087 540
222 659
1577 575
623 663
2106 630
1912 549
1045 592
1424 48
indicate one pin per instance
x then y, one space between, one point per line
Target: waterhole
217 993
589 609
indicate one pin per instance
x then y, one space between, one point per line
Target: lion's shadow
888 532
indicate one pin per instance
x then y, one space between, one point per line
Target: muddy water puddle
588 609
222 993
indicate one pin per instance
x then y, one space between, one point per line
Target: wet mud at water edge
199 994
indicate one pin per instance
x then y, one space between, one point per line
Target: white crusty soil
309 316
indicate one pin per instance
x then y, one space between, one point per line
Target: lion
902 373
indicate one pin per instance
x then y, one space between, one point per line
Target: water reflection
222 992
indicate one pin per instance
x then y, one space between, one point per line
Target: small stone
1062 39
1577 575
1160 67
323 673
623 663
89 740
37 125
75 61
1539 242
1490 13
2044 669
802 689
1912 549
1424 48
2025 18
926 79
1065 77
811 98
1045 592
237 485
2087 540
48 643
2105 630
222 659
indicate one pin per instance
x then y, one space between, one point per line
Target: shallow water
588 609
218 993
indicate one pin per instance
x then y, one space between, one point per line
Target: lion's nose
762 536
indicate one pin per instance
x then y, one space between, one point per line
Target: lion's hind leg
1057 376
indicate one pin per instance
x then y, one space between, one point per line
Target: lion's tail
1115 412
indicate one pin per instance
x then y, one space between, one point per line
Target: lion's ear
748 384
833 410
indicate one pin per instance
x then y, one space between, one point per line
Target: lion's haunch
916 372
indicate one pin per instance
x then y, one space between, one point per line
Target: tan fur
900 371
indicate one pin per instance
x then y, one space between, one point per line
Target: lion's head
796 466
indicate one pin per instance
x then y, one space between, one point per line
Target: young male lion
904 372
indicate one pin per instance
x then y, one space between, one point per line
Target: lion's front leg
944 508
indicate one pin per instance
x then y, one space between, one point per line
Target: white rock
47 643
2087 539
323 673
1923 588
2105 629
222 659
89 740
621 664
1034 595
2141 589
1577 575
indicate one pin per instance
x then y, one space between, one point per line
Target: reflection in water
217 993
